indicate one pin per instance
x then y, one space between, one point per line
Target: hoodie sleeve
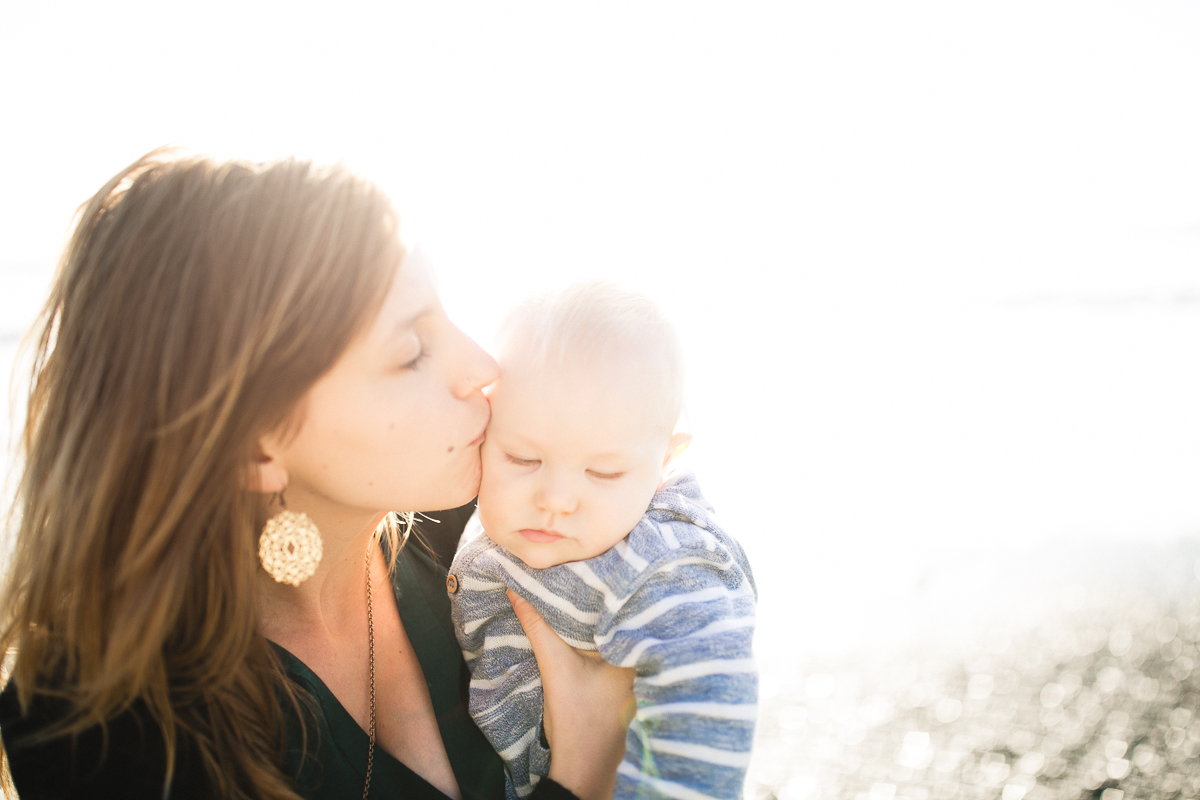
687 631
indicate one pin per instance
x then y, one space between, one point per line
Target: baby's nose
558 499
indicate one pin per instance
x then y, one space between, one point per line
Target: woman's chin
450 486
470 486
458 489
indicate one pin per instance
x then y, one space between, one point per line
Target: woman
239 361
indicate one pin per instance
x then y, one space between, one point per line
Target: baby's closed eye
522 462
608 476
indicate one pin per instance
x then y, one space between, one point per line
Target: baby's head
583 419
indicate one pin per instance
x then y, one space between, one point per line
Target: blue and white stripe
674 600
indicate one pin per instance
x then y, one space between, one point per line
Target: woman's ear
675 447
267 474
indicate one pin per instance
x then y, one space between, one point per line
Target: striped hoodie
674 600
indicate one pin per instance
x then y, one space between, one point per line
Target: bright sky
937 265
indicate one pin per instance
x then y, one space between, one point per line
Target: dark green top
130 762
336 762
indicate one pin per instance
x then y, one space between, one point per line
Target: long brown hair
195 304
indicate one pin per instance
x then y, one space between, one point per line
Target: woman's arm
588 706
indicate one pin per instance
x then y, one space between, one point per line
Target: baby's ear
675 447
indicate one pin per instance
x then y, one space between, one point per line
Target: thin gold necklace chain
371 661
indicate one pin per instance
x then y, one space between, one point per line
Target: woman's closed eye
416 360
522 462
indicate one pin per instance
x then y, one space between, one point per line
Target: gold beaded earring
290 546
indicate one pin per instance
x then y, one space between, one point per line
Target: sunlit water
1096 697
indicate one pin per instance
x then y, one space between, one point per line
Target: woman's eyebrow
407 321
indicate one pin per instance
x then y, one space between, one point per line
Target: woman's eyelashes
416 360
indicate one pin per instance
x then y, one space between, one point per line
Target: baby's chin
544 556
533 556
543 560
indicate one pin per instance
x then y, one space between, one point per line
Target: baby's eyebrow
610 454
510 438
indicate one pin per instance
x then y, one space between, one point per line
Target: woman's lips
540 536
478 440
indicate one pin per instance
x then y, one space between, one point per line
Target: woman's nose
477 370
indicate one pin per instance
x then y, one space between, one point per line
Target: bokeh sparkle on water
1099 696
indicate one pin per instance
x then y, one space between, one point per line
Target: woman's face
396 423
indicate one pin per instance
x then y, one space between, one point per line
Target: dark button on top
451 584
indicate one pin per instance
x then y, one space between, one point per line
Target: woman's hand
588 706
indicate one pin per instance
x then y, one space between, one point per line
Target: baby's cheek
487 515
493 497
635 507
491 468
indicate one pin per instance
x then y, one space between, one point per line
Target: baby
582 521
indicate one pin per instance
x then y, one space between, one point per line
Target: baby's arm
506 689
687 630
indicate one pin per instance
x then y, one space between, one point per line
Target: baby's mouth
540 536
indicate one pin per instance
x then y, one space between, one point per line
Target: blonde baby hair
599 323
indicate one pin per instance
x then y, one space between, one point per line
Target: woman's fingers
535 627
587 708
548 648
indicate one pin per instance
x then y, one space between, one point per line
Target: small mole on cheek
450 449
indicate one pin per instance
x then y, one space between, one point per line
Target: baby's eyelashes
522 462
533 462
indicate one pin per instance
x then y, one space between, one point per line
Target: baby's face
570 463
